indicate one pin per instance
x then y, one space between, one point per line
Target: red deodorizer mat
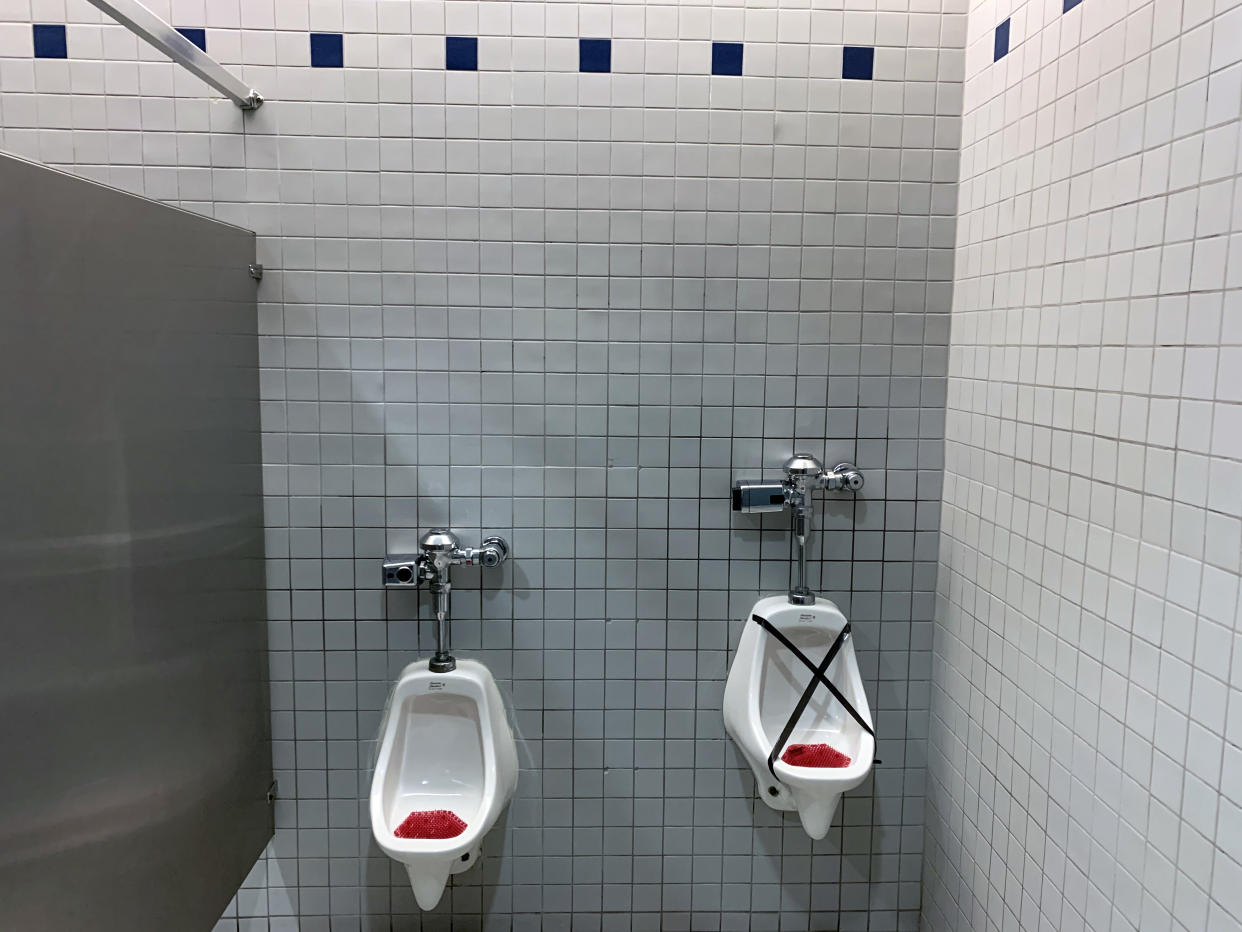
814 755
430 823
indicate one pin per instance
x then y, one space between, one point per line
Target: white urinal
767 681
446 769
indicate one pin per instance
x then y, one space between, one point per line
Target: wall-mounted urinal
446 764
794 701
446 769
805 746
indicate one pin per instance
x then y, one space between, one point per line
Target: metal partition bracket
146 25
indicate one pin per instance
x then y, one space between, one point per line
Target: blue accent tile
1069 5
327 50
726 58
1000 42
50 41
197 36
595 55
858 62
461 53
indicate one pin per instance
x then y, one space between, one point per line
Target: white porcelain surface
445 744
765 682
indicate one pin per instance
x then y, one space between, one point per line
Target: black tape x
819 676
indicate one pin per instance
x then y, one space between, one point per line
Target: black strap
818 677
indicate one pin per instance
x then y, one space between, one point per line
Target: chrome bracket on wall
803 475
146 25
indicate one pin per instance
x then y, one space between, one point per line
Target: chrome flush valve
439 550
803 475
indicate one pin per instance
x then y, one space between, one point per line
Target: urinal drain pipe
442 661
801 594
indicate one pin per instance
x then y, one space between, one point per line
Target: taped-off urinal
794 704
794 701
446 765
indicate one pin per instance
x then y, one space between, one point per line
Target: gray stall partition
135 759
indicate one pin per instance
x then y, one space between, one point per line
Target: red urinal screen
814 755
430 823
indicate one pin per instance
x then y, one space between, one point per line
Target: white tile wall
567 308
1086 740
